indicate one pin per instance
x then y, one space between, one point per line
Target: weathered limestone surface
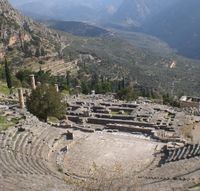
32 152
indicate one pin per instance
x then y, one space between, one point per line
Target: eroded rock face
17 29
9 12
14 27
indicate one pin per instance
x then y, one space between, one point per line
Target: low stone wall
73 118
189 104
166 139
121 108
130 128
101 121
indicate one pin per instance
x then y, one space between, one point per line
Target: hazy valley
142 60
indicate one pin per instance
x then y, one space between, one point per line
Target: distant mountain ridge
76 28
175 21
136 12
179 26
76 10
22 40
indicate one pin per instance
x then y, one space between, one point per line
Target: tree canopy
103 87
46 102
127 94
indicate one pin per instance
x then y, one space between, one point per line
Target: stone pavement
107 149
196 133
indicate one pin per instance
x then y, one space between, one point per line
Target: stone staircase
27 156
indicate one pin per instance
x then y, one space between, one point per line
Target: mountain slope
21 36
76 10
175 21
106 58
136 12
179 25
77 28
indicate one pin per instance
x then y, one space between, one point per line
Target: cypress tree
68 78
37 53
30 53
123 82
8 76
42 52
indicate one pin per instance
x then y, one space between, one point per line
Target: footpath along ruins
147 140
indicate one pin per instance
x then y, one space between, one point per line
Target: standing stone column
56 86
38 84
32 79
21 98
27 94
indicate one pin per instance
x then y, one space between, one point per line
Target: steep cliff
20 35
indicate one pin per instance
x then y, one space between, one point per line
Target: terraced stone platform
38 156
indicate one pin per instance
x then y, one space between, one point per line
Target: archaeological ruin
156 147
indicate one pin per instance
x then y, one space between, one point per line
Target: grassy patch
196 185
53 120
114 112
170 115
127 112
65 92
3 88
117 112
60 170
5 124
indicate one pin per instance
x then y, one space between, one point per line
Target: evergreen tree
152 94
37 53
106 87
103 87
123 82
45 77
42 52
127 94
84 65
94 81
26 50
46 102
8 76
85 88
68 78
119 85
30 53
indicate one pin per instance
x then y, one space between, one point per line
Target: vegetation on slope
112 59
95 60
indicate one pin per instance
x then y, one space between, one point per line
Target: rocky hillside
178 25
173 21
20 36
77 28
32 46
136 12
